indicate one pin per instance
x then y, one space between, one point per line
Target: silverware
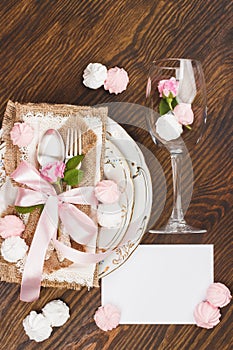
73 144
73 148
51 148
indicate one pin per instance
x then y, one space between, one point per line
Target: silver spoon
51 148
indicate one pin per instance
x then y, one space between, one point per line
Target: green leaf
174 103
163 107
73 177
74 162
25 210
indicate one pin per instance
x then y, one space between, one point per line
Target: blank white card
160 284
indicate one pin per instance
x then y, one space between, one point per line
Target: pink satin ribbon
79 225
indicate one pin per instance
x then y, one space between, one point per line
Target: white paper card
160 284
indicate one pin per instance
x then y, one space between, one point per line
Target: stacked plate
125 164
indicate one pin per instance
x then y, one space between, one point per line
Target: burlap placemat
75 117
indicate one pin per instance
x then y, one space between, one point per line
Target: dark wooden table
44 48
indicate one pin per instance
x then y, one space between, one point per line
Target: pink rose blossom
22 134
206 315
218 295
107 192
183 113
10 226
107 317
116 81
166 87
52 171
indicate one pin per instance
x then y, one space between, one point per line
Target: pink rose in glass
206 315
218 295
10 226
116 81
21 134
51 172
107 317
168 87
184 113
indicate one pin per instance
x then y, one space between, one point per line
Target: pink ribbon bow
79 225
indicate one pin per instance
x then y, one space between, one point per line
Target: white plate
142 197
133 175
116 168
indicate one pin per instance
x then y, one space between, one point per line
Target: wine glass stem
177 212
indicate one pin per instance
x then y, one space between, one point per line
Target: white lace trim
66 275
69 274
2 169
20 264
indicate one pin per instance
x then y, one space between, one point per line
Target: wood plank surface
44 48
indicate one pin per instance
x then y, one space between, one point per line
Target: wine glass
176 97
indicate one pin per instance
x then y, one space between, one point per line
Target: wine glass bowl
176 115
191 90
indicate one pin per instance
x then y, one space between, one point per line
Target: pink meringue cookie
21 134
107 317
116 81
106 191
218 295
206 315
184 113
10 226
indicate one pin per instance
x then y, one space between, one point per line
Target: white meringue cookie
13 248
56 312
109 215
168 128
94 75
37 327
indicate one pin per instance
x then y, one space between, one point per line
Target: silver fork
73 144
73 148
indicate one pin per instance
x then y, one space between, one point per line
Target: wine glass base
177 228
